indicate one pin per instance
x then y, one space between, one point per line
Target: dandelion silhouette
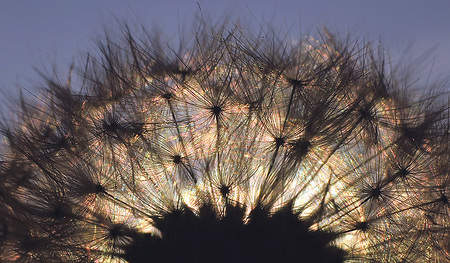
231 149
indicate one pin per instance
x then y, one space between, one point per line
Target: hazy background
34 34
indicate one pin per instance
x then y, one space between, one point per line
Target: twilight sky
33 34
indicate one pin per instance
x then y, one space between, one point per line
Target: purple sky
35 33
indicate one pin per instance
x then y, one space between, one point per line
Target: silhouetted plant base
207 237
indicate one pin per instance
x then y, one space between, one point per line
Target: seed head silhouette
231 148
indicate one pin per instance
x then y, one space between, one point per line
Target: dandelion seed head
232 147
